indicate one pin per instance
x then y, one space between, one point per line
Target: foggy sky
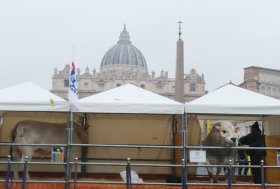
220 37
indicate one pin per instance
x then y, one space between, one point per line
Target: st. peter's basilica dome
123 56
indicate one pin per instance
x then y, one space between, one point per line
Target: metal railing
184 165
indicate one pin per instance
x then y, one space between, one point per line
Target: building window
143 86
101 85
274 93
273 79
262 90
262 77
118 84
192 87
66 83
86 84
159 86
268 91
268 78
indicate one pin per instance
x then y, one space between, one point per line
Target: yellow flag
52 102
208 126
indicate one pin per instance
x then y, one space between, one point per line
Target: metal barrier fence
129 164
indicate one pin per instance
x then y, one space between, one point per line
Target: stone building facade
262 80
124 63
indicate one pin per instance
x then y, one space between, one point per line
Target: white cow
223 134
36 132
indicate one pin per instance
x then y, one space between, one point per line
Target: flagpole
70 126
73 49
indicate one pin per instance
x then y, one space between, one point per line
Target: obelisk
179 76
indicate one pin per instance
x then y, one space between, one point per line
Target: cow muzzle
233 139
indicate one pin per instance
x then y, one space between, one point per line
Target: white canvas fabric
130 99
231 99
30 97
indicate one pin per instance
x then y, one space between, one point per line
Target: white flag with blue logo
73 91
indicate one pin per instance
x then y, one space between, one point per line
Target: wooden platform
116 178
119 186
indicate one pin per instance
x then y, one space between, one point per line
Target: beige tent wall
10 120
193 138
272 131
130 129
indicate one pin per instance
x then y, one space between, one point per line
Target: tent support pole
68 155
84 148
184 160
174 131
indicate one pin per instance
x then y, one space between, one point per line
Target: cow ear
236 129
218 125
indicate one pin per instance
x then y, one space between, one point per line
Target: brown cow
36 132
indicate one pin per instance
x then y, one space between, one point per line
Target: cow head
227 131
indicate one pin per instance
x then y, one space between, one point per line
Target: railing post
25 172
9 178
183 174
262 174
76 174
128 174
229 173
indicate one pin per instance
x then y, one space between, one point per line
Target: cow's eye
224 131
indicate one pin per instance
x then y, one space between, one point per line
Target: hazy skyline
221 37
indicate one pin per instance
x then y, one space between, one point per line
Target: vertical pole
128 174
183 174
84 148
25 172
76 177
68 156
174 131
184 170
262 174
229 173
9 178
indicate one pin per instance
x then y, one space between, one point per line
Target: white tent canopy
234 100
30 97
130 99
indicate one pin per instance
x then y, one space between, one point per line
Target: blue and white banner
73 91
